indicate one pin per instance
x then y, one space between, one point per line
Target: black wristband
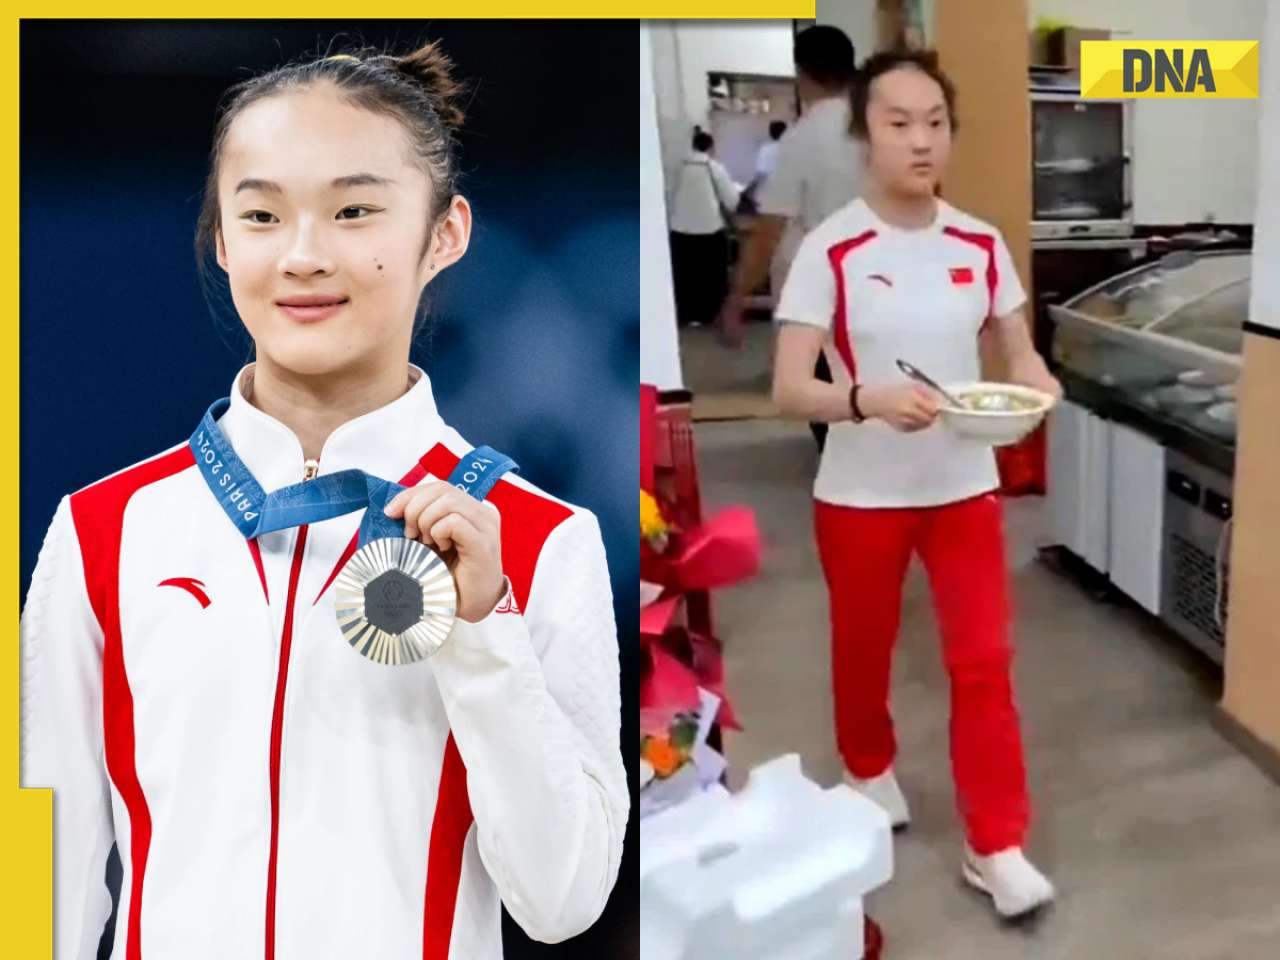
853 403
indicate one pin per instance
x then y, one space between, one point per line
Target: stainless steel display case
1082 177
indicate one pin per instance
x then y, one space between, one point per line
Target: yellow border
26 888
26 879
451 9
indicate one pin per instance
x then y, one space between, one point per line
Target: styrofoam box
777 871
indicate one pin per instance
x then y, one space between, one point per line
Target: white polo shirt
884 293
817 171
704 190
766 159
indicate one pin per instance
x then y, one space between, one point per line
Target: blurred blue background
120 354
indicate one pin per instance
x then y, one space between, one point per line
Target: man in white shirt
818 169
767 157
704 198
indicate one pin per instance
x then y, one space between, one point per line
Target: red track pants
864 555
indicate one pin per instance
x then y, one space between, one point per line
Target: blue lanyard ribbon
255 512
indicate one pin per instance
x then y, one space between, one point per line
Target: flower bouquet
675 760
682 684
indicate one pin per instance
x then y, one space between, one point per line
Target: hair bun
432 68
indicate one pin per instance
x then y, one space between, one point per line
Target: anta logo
882 278
961 275
508 604
191 585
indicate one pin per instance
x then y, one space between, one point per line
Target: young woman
188 691
896 274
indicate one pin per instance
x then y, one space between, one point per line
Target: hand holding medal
428 554
433 557
466 532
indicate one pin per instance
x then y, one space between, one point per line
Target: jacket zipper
309 470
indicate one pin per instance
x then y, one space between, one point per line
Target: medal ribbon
255 512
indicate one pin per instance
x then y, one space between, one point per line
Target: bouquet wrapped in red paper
719 553
682 685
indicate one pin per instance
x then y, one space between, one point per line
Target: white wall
659 347
744 46
1193 160
675 127
685 51
1264 303
857 18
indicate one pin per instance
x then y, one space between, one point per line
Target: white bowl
998 428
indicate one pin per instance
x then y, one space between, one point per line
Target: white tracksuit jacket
274 794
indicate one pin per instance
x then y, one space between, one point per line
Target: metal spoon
915 374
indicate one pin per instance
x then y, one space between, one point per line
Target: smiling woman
348 159
376 728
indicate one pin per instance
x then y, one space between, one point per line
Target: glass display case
1145 450
1165 337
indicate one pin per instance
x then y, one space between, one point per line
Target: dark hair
777 128
703 142
418 89
876 65
826 55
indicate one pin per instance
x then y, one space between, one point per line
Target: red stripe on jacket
98 515
840 317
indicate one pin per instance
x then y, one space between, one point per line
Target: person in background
899 273
767 158
702 206
817 170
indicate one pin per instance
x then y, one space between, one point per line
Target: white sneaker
885 791
1009 878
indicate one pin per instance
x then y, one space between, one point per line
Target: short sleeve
809 294
1008 294
783 193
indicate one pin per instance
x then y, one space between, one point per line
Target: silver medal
395 601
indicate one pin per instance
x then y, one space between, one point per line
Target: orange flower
665 758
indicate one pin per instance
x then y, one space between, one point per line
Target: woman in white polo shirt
899 273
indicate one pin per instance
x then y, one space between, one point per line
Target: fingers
926 400
411 504
915 424
920 408
420 495
453 532
427 505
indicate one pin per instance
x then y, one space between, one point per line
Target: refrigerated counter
1142 451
